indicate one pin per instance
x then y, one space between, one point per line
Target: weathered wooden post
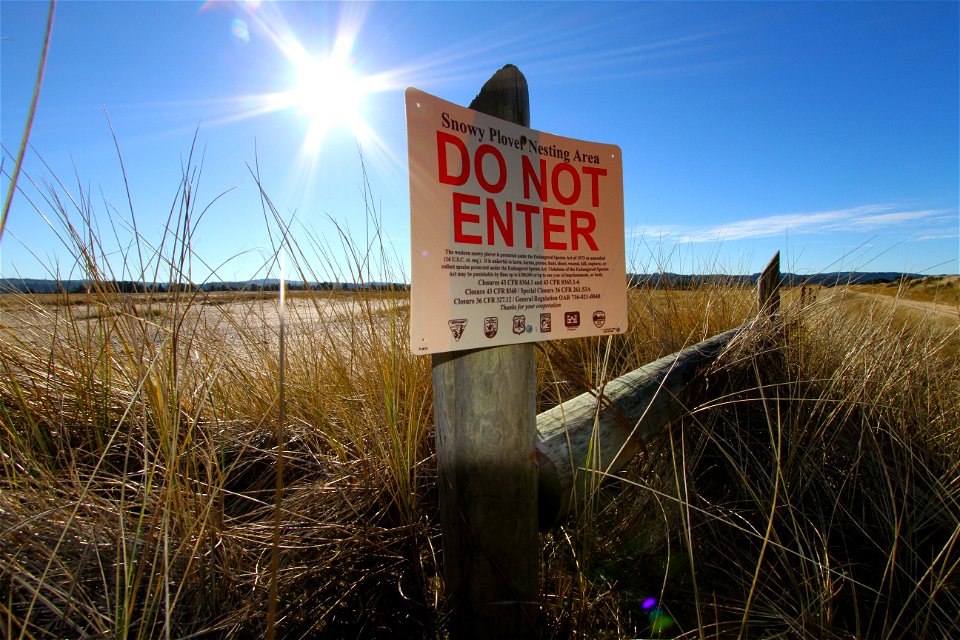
768 287
485 412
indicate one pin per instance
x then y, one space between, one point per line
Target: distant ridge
35 285
656 280
675 280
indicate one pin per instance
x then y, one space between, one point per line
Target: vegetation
188 463
943 290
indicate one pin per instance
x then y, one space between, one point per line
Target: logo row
491 324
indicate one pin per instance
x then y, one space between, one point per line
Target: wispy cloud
945 235
875 217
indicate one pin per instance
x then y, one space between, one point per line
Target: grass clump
141 436
812 494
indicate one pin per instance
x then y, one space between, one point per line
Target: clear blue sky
828 131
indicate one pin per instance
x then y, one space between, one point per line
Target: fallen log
604 429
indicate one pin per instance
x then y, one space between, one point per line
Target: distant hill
853 277
679 281
34 285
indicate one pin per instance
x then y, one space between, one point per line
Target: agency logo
546 323
519 324
457 327
490 326
599 317
571 319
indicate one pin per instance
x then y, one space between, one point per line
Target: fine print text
517 281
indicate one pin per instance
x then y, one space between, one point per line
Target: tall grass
812 493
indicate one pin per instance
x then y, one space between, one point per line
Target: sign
516 234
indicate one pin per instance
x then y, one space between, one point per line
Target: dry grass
815 496
812 493
944 290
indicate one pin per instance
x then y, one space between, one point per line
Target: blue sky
828 131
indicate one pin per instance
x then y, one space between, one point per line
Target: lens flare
240 30
660 621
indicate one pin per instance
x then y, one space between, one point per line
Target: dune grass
944 290
812 493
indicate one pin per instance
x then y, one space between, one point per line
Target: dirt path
940 311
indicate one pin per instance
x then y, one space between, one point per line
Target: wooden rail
603 429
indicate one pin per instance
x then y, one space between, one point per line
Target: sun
330 94
326 91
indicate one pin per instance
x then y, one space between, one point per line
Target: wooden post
768 287
485 414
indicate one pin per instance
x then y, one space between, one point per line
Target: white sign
516 235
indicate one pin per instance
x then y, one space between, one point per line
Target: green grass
812 492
